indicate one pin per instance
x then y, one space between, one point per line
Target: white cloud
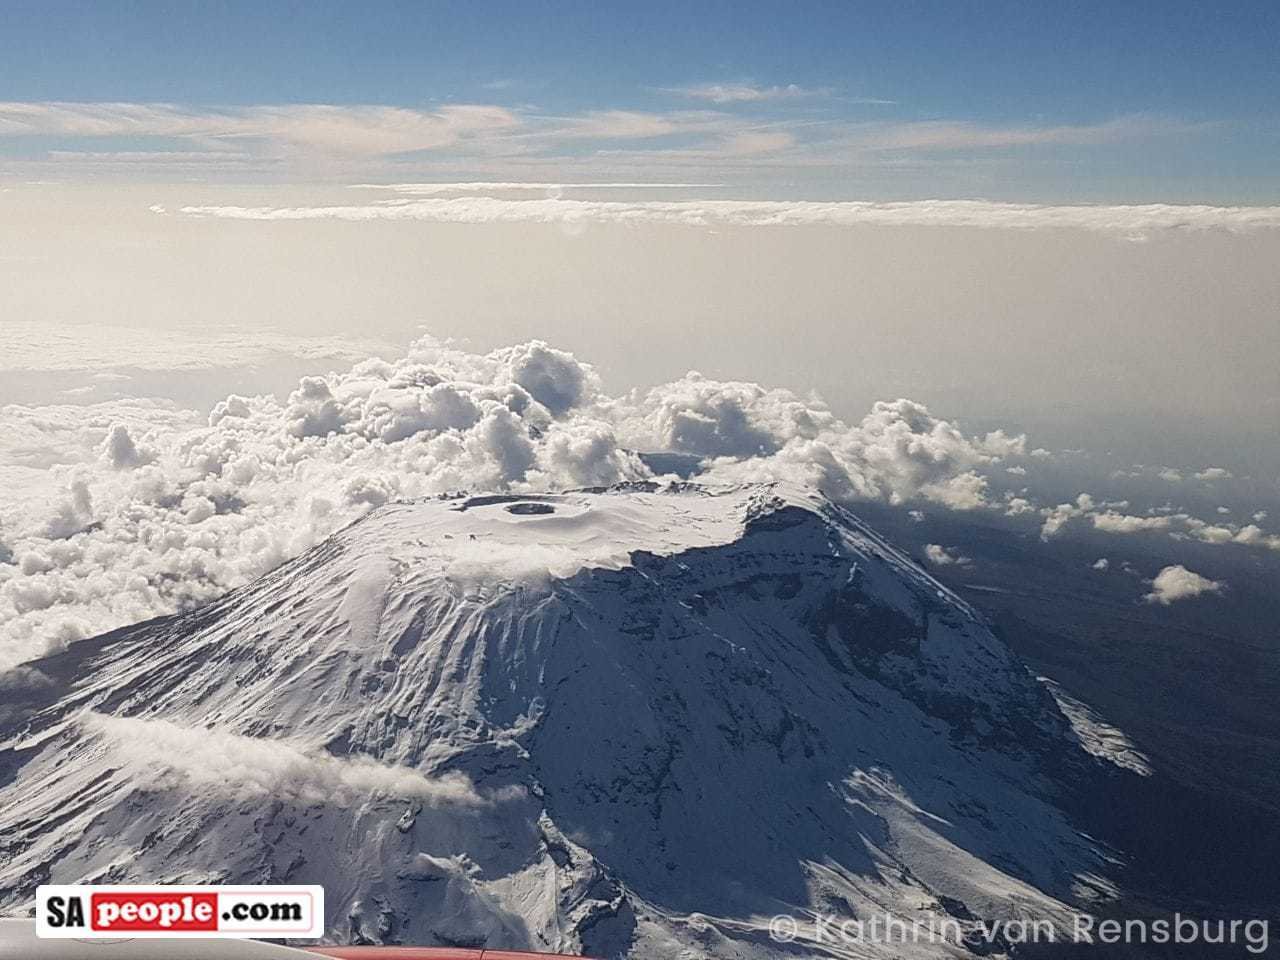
1102 563
160 751
1110 521
941 556
1177 582
1015 506
1055 518
120 450
899 452
1249 535
717 418
1252 535
1214 473
553 378
1122 221
911 453
1107 518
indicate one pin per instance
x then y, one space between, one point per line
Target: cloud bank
1127 221
143 515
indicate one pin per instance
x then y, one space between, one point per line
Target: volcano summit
637 721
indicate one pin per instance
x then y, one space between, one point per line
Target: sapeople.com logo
180 911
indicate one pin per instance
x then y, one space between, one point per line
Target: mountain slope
634 721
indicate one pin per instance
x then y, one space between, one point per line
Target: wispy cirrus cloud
510 141
722 93
728 94
345 130
755 142
942 135
711 138
632 125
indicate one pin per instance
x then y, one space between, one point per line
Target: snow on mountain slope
638 721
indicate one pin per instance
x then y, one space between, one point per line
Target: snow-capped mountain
638 721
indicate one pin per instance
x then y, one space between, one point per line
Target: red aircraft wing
431 953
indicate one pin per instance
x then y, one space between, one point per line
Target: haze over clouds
104 346
958 316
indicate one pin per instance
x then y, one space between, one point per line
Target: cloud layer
163 512
1128 221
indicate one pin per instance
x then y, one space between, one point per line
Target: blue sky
1036 101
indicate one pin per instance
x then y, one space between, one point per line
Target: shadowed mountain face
628 722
